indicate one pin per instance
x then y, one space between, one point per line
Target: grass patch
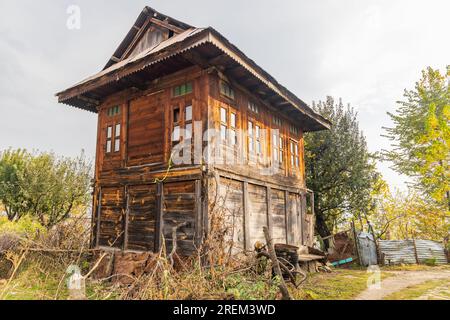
339 285
438 289
415 267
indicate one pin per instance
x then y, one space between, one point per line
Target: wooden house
169 83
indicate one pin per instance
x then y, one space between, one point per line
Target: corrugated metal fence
411 251
367 249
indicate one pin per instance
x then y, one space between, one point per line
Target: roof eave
215 38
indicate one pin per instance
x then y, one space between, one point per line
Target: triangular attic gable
150 29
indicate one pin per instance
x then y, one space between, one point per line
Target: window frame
188 89
279 148
226 90
294 154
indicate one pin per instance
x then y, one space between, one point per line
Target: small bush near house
430 262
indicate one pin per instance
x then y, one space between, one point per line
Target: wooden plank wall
231 200
278 216
179 213
146 130
149 213
111 218
247 205
141 223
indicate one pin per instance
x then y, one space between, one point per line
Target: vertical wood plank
99 211
205 206
269 210
198 213
159 215
127 217
287 213
246 216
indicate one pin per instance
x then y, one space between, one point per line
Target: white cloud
366 52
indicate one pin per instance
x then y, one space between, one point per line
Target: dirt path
400 281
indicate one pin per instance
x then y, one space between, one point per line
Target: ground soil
400 281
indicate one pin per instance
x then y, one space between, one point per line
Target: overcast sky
366 52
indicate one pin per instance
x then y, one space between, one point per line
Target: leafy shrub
430 261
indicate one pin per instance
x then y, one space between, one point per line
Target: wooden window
182 89
251 139
188 122
113 134
294 151
226 90
176 124
228 126
182 122
117 137
233 127
277 121
278 149
109 134
255 139
113 111
258 144
253 107
294 130
223 124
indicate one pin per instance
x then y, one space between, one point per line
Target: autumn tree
44 186
339 168
421 135
407 215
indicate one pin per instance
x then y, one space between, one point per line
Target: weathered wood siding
146 130
258 212
179 213
112 217
141 223
278 212
231 200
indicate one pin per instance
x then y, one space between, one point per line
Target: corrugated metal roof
159 47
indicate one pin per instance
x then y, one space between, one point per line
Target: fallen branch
276 265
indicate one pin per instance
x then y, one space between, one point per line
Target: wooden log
276 266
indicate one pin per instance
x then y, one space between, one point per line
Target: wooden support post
99 212
276 265
287 213
269 210
415 251
248 244
198 213
355 236
127 217
159 215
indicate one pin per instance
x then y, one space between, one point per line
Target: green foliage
430 262
406 215
421 135
339 168
257 289
26 226
42 185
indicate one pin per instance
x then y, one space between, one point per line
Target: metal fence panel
427 249
403 251
398 251
367 249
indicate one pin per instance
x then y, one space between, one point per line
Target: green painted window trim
182 89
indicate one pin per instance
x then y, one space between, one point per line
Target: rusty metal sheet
398 251
427 249
405 251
